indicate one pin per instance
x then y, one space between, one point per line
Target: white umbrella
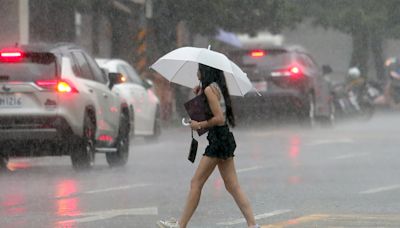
181 65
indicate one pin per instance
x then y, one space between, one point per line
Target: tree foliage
250 16
206 17
369 22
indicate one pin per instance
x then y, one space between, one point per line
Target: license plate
10 101
261 86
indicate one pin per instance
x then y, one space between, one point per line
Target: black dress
221 143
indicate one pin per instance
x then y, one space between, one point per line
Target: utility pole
141 38
23 9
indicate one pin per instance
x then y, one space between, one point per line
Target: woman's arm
218 116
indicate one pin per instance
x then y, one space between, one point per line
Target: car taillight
257 53
11 55
64 87
61 86
47 84
106 138
289 72
294 70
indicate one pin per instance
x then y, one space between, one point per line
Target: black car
286 81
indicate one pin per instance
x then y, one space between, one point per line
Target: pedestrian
213 85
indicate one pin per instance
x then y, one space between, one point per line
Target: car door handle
90 90
105 95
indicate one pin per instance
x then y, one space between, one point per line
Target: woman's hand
195 125
196 90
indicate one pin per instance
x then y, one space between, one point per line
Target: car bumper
34 128
269 102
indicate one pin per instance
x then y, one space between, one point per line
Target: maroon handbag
199 110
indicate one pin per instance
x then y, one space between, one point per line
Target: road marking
103 190
248 169
346 220
329 141
381 189
261 216
103 215
350 156
304 219
116 188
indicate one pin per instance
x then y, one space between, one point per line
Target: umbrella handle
185 122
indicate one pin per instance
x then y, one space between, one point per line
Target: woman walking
219 153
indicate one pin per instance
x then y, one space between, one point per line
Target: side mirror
326 69
115 78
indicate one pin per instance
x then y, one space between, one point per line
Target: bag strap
192 133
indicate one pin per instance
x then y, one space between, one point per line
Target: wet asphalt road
347 176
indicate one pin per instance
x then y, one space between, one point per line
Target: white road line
329 141
104 190
381 189
116 188
350 156
261 216
248 169
103 215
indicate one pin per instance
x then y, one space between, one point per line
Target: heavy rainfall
93 133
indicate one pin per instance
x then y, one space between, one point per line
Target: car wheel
83 155
156 128
120 157
308 118
3 161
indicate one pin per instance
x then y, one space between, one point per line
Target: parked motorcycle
355 97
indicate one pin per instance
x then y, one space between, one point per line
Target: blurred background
341 33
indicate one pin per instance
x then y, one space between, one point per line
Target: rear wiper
248 65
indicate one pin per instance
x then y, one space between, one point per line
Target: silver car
55 100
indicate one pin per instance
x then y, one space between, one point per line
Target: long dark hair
209 75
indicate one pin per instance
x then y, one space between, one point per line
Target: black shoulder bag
193 149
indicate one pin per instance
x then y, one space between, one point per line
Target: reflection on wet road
339 177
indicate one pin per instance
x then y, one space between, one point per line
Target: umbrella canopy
181 65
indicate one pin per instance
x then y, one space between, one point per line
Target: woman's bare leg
204 170
228 173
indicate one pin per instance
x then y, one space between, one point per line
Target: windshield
34 66
271 59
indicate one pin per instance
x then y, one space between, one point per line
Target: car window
302 61
84 68
271 59
98 74
131 74
34 66
75 66
123 71
308 61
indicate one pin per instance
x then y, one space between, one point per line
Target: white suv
55 100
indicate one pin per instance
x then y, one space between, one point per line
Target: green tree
369 23
206 17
